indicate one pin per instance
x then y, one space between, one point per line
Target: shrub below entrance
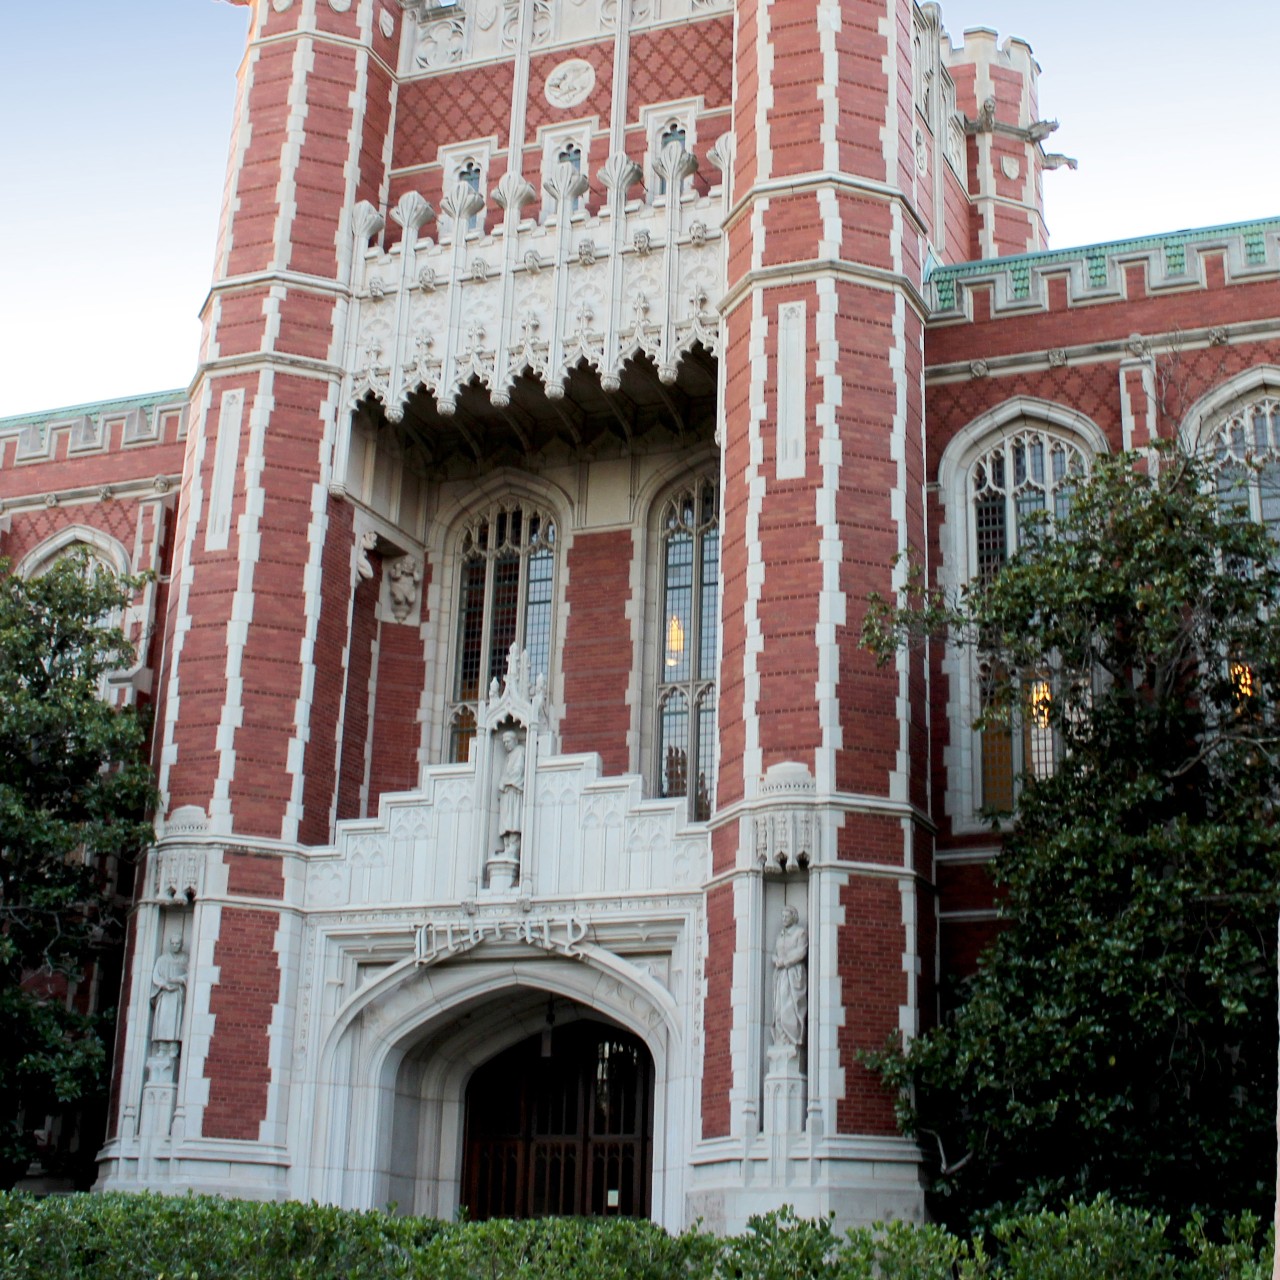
151 1237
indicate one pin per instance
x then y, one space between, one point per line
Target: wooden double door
561 1125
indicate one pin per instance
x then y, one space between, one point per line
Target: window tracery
506 590
689 540
1010 486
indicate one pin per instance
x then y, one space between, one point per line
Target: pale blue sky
116 116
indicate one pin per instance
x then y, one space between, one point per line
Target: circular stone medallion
570 83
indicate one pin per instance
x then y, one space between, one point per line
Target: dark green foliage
74 791
1120 1035
147 1237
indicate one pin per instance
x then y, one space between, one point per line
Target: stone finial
366 222
412 212
462 202
564 184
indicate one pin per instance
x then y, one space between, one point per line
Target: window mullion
486 630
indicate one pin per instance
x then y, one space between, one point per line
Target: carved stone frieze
440 41
179 874
563 294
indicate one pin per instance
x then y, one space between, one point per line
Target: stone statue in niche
168 1002
790 982
511 794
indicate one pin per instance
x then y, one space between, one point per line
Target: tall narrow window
470 174
686 705
505 598
1027 473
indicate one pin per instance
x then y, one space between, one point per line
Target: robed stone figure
790 981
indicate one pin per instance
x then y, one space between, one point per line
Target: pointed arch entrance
561 1124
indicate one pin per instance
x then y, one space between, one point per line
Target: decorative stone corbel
364 549
403 577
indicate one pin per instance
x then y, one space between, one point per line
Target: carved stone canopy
785 827
521 697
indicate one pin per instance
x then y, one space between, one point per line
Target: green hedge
149 1237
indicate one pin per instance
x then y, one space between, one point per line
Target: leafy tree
74 793
1120 1033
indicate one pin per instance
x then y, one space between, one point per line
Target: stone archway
389 1113
561 1124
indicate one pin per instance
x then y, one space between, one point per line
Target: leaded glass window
505 597
1028 473
1246 456
689 536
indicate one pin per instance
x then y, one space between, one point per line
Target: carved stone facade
564 393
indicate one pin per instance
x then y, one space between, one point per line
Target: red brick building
536 837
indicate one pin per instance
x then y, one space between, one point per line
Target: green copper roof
96 408
1172 243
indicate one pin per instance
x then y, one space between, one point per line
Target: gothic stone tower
512 694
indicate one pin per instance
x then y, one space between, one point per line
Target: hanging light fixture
675 641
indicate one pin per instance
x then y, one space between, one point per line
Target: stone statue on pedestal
168 1002
511 794
790 982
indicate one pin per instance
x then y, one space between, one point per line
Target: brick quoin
237 1066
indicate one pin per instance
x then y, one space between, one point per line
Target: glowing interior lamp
1242 680
675 641
1038 699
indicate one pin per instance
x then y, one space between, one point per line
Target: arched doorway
561 1123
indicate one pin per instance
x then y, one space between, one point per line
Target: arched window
689 539
1245 450
1029 471
507 579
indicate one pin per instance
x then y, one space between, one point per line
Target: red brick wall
355 718
872 986
717 1058
237 1066
321 764
402 674
597 650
